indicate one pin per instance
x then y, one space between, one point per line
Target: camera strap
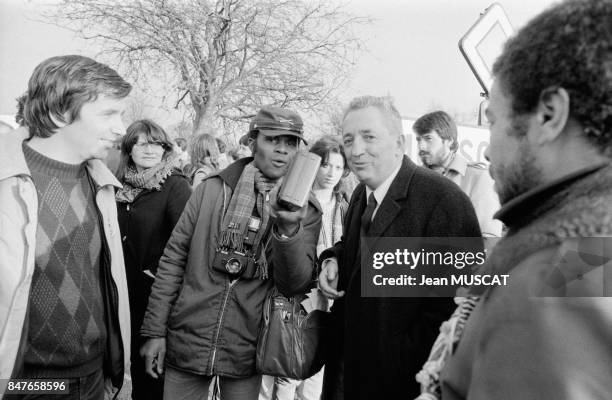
251 195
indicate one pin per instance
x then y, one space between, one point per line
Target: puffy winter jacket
210 323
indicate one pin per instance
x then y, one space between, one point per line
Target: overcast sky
412 50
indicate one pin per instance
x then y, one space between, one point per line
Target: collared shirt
474 179
381 191
455 165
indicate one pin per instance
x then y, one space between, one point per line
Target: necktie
366 217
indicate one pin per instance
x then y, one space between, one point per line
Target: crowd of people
155 262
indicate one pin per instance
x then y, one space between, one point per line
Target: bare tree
181 129
222 59
135 109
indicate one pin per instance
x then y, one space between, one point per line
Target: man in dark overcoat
380 343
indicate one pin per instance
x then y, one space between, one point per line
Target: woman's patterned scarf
152 178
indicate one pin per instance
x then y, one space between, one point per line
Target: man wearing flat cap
230 247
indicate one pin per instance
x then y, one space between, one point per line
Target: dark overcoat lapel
352 227
386 214
391 204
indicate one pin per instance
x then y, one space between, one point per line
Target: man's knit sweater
66 332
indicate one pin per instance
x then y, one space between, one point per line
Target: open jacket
18 224
211 324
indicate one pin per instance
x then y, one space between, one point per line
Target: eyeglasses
152 145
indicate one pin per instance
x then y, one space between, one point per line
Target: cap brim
281 132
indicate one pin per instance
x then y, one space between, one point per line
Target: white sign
483 43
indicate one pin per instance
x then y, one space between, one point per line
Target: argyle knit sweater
66 331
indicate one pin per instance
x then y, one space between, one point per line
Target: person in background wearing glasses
150 203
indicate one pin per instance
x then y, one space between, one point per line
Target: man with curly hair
546 335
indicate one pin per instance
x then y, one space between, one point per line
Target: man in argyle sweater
64 312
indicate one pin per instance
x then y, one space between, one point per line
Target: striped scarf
252 190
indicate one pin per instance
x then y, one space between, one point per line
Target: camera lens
233 266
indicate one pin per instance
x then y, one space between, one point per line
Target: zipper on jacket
218 331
